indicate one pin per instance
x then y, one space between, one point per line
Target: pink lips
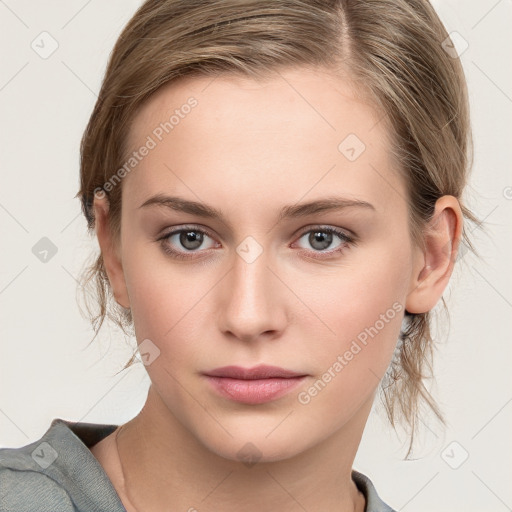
253 385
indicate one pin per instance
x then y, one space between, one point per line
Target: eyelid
185 227
326 227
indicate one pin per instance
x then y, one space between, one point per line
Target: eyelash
345 239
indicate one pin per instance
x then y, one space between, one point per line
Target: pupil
191 239
325 239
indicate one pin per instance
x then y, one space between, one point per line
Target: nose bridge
251 305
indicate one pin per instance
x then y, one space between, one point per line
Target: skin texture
248 148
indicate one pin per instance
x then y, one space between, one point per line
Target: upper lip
258 372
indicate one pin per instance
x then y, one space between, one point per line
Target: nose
253 303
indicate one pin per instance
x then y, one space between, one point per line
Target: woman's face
265 281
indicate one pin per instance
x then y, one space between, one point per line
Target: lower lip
257 391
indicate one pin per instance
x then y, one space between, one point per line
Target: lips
253 385
258 372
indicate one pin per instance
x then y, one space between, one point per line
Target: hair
393 50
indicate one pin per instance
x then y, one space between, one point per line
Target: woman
276 188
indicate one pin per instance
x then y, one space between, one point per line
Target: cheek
349 369
363 309
169 304
356 296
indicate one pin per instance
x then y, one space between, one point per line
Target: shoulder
26 488
58 472
374 503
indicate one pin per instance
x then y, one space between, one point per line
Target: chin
256 449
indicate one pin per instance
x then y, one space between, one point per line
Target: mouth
253 385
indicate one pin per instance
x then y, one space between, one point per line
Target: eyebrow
327 204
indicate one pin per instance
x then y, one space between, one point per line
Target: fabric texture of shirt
59 473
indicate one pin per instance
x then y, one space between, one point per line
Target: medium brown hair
393 49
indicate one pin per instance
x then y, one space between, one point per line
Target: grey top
59 473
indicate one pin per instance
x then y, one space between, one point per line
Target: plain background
48 371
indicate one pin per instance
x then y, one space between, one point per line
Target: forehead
300 132
327 103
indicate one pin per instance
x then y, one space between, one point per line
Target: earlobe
433 267
111 258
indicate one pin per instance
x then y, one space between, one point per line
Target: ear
433 265
110 252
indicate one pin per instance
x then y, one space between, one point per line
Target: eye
189 238
321 238
184 242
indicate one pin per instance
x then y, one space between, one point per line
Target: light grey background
46 368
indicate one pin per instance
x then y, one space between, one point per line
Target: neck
164 467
